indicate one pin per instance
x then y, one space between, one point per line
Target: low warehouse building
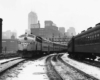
9 45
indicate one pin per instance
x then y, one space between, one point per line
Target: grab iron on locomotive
30 45
86 44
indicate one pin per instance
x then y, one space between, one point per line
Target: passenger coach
86 44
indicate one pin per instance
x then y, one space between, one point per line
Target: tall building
62 30
49 24
71 31
8 34
32 20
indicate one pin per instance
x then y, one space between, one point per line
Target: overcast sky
80 14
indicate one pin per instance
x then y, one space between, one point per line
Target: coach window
75 41
93 38
78 41
83 40
99 37
88 39
97 40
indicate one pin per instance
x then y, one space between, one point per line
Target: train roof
59 43
47 40
97 27
25 35
40 39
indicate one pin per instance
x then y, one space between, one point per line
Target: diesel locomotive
30 45
86 44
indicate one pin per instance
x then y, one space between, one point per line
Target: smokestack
1 35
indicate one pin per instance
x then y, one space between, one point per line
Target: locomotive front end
22 44
26 44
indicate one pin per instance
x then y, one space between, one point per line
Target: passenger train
86 44
30 45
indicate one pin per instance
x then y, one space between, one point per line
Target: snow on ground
61 71
31 70
94 71
4 67
4 60
68 73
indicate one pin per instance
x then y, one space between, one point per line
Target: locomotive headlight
25 45
25 38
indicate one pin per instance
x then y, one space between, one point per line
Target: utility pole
59 38
53 37
53 40
1 35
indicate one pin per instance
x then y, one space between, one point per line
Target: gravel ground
29 70
91 70
51 72
68 73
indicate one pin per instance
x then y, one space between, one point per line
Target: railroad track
88 77
5 65
51 72
89 62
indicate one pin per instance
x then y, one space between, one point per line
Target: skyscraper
71 31
62 30
32 20
50 25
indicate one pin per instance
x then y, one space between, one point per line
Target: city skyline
78 14
32 20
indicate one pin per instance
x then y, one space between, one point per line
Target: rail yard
50 54
50 67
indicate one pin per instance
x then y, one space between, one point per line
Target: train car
30 45
86 44
27 45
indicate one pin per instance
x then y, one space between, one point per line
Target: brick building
9 45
